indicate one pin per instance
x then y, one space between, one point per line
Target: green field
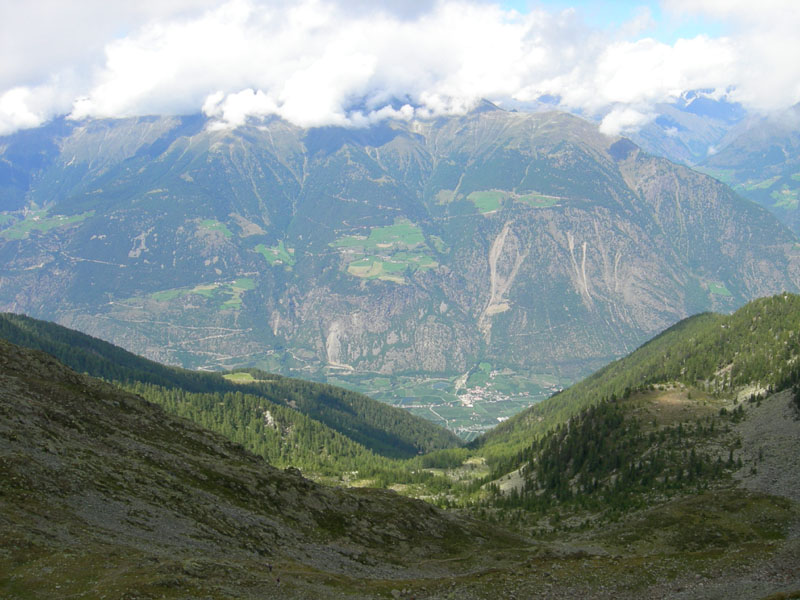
538 200
235 290
230 294
786 197
487 201
390 269
279 254
388 253
39 221
403 233
724 175
480 376
239 377
439 244
760 185
719 289
373 268
214 225
168 295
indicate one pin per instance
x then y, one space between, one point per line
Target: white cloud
352 62
16 112
25 107
623 120
765 74
234 109
48 36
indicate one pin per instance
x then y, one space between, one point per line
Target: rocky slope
104 494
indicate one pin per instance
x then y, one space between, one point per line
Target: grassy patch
374 268
244 283
538 200
487 201
240 377
786 197
438 243
168 295
207 291
760 185
403 234
279 254
389 253
711 520
233 303
235 290
477 379
480 376
39 221
214 225
719 289
230 293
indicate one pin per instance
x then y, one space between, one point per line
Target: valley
675 477
469 404
453 300
409 252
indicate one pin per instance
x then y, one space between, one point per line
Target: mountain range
461 267
755 154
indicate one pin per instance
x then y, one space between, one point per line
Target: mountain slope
751 351
688 130
682 449
371 424
761 160
495 254
105 494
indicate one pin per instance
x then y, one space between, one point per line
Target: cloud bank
352 62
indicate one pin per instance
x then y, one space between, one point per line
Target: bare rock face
531 241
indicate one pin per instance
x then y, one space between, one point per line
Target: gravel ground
772 432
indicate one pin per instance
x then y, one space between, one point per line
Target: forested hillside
299 407
756 346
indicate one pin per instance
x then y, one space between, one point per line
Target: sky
356 62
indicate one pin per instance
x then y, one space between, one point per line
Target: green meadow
487 201
229 293
719 289
276 255
214 225
388 253
39 221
